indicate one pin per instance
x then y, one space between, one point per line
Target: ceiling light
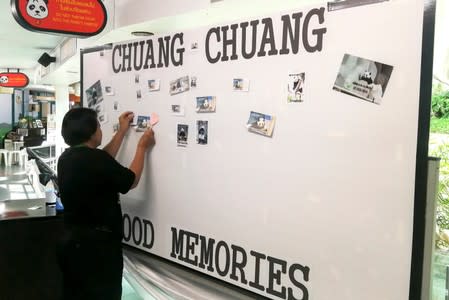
142 33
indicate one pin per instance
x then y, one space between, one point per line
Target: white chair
19 156
4 154
8 145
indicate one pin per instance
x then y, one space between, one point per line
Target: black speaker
46 59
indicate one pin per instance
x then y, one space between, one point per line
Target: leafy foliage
440 102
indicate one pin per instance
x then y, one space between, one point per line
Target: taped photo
202 132
153 85
94 94
103 118
363 78
240 85
143 123
296 87
109 91
261 123
206 104
193 82
177 110
179 85
182 135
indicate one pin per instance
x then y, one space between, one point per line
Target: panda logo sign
4 79
37 9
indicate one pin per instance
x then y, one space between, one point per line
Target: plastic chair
4 154
21 157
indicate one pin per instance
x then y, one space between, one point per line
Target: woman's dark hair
79 125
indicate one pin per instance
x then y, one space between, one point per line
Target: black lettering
126 225
267 38
318 32
180 51
148 244
238 265
291 273
150 55
126 57
293 36
229 42
225 271
244 25
190 248
276 275
138 66
256 283
177 244
207 250
137 241
215 30
116 70
164 52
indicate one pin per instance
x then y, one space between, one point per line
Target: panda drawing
37 9
366 76
4 79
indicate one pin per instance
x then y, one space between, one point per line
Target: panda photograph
201 132
261 123
363 78
182 135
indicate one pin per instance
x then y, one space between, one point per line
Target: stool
5 155
22 156
17 145
8 145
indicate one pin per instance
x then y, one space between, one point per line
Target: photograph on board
205 104
94 94
139 94
202 132
261 123
193 82
182 134
153 85
115 127
108 90
363 78
177 110
296 87
116 106
143 123
103 118
136 78
179 85
240 85
99 109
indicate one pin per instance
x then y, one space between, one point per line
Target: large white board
321 210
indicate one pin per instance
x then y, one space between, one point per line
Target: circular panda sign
13 80
76 18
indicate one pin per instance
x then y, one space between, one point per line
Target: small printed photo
343 4
261 123
194 46
177 110
94 94
240 85
39 123
102 53
202 132
206 104
295 87
115 127
182 134
139 94
179 85
108 90
193 82
136 78
99 109
116 106
363 78
143 123
153 85
103 118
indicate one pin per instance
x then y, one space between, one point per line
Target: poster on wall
69 18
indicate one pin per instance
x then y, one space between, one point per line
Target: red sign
78 18
14 80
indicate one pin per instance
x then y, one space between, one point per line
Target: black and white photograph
116 106
240 85
103 118
179 85
261 123
177 110
206 104
98 109
363 78
202 132
153 85
295 87
39 123
143 123
194 46
94 94
343 4
136 78
108 90
182 135
193 82
139 94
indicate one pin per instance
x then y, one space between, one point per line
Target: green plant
440 101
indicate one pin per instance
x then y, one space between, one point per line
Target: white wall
62 106
441 51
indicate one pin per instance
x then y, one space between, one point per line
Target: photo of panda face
182 134
37 9
4 79
205 104
261 123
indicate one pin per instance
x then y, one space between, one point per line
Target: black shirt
89 182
